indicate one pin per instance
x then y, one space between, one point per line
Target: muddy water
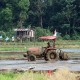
73 65
72 50
72 53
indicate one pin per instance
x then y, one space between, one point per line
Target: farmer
48 45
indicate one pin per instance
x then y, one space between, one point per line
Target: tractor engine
34 53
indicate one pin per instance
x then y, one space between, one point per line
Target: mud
72 65
72 50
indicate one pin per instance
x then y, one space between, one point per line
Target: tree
53 14
70 15
6 19
36 12
23 7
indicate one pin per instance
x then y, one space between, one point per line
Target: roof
22 29
48 37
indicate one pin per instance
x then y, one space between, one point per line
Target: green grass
8 76
60 74
31 76
9 46
14 46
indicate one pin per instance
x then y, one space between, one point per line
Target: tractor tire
51 55
63 56
31 57
45 57
25 54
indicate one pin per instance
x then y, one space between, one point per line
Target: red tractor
49 53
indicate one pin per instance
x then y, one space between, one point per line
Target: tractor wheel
32 58
63 56
51 55
45 57
25 54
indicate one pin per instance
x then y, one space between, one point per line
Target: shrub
7 34
42 32
3 34
75 36
66 37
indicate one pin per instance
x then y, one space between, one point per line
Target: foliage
66 37
41 32
23 6
7 76
75 36
3 34
5 19
7 34
61 74
62 15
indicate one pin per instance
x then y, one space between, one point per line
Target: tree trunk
41 22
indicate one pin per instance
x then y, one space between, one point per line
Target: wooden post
54 43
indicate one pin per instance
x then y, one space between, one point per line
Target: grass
14 46
60 74
8 76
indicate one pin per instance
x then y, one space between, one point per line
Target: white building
26 33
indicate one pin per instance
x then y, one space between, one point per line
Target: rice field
17 46
14 46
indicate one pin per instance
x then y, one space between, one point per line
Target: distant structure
13 39
1 38
7 38
24 33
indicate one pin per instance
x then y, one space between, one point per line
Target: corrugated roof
22 29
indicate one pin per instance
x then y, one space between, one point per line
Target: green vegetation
10 46
14 46
61 74
8 76
42 32
62 15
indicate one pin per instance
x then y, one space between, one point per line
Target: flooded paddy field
15 61
72 53
72 65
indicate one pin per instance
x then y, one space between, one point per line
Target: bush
42 32
59 37
10 34
3 34
75 36
6 34
66 37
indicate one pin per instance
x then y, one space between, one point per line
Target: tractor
49 53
